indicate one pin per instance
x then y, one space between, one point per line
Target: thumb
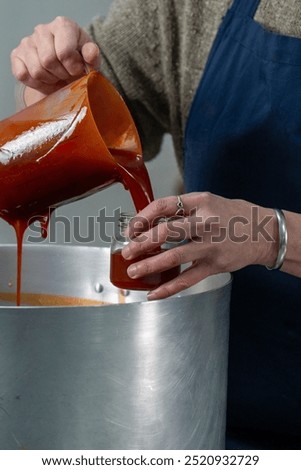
91 54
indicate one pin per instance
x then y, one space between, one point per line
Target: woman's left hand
222 235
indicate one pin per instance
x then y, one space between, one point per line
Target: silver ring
180 212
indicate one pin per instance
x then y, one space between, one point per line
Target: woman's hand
222 235
54 55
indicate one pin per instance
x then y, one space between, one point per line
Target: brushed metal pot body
142 375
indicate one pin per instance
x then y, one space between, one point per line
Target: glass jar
119 265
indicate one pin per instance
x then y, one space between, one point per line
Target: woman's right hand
55 54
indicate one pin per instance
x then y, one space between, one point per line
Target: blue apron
243 140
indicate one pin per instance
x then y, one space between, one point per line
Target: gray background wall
17 20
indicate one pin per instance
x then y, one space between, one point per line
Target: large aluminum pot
142 375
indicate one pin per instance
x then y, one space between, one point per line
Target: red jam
120 278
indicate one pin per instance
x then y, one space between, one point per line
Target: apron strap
245 7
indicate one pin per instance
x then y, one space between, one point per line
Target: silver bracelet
282 231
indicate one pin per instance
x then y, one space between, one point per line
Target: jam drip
20 225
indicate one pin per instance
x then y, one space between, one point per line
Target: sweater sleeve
133 59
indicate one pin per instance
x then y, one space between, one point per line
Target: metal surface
143 375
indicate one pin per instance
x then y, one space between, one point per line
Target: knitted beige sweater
155 51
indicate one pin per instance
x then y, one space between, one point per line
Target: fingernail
151 295
126 253
132 271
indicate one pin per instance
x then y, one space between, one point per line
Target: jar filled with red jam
119 265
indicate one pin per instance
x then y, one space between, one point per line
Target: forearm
269 239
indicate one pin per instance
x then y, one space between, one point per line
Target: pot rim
60 247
